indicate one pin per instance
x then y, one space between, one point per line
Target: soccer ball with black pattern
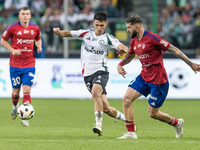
25 111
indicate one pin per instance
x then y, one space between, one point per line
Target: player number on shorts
16 81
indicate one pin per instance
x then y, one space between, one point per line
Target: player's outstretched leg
179 128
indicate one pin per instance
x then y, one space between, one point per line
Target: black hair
101 16
24 8
134 19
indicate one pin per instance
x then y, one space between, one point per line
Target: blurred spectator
6 18
38 7
195 4
72 18
188 10
124 7
54 4
1 4
179 4
15 5
172 10
111 12
86 16
107 7
45 27
175 32
95 4
186 27
55 22
80 4
196 35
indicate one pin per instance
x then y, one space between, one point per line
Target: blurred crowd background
178 21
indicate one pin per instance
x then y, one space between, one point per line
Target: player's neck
140 35
25 24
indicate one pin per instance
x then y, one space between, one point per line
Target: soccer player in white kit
94 50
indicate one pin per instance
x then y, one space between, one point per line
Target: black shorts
99 77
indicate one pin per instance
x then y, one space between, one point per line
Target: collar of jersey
144 33
21 24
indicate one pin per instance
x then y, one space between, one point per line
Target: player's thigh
28 76
15 77
131 95
97 89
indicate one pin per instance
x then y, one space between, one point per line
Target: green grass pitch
66 124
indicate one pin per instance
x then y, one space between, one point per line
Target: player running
153 79
23 34
94 50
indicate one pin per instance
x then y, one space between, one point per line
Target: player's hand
16 52
195 67
56 31
121 70
39 49
120 52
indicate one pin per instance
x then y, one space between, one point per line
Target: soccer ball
25 111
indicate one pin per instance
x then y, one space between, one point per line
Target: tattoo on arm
127 58
180 55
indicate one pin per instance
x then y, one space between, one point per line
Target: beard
134 34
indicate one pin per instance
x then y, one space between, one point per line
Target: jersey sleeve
7 34
79 34
113 42
131 51
161 44
38 36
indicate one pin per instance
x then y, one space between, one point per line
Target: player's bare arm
39 45
178 53
62 33
9 47
122 49
127 58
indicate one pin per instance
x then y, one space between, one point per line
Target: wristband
121 63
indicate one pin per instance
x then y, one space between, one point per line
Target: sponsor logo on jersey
164 43
139 45
21 41
19 33
88 38
26 31
101 42
94 51
32 32
93 39
143 45
143 56
5 33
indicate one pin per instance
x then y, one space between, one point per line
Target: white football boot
97 129
179 128
25 123
128 135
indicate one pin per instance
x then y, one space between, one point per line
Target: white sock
120 116
15 107
99 117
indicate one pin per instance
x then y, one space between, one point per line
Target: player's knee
95 94
106 110
126 101
153 115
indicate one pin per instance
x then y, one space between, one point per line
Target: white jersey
94 50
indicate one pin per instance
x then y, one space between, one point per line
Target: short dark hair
24 8
101 16
134 19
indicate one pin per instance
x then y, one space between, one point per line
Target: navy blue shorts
20 76
157 93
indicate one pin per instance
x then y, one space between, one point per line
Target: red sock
174 122
130 126
26 98
15 99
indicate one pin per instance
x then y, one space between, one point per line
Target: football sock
130 125
174 122
15 100
99 117
26 98
120 116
